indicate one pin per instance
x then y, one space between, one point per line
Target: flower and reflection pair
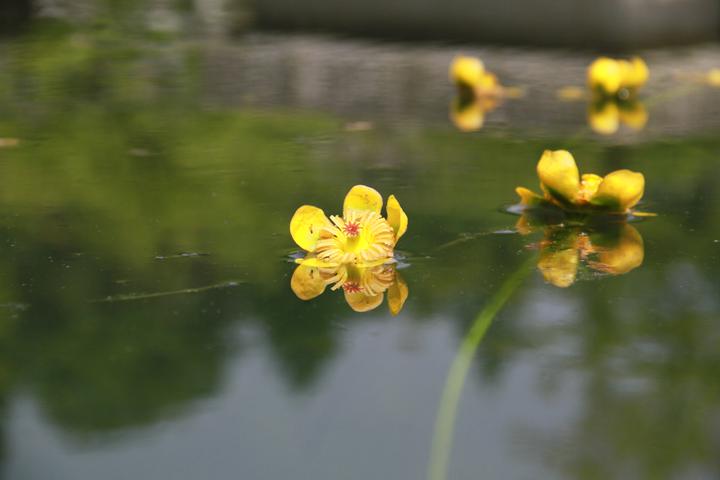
614 85
478 92
584 220
355 251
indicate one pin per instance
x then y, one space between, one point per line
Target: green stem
445 422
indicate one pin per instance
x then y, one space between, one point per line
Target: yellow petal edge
467 71
361 197
396 217
559 175
305 226
620 191
397 294
306 282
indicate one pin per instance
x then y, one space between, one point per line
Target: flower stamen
351 229
352 287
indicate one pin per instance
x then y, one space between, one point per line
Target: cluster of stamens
351 229
352 287
359 237
370 281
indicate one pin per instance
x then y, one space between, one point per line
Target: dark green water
147 326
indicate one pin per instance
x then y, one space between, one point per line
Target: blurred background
153 152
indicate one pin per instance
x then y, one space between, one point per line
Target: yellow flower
361 236
469 75
563 187
713 77
364 286
468 115
611 249
606 114
617 78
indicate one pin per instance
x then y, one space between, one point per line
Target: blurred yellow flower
605 115
563 187
468 114
470 76
364 286
713 77
361 236
617 78
602 249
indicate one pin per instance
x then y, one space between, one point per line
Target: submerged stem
445 421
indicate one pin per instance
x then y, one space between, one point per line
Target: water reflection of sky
360 420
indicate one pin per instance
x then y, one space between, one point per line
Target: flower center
352 287
361 237
351 229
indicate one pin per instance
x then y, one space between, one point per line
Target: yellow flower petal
312 261
570 93
467 116
713 77
634 73
626 255
305 226
559 175
620 191
487 84
397 294
396 217
604 117
467 71
524 225
361 197
528 197
360 302
559 267
306 282
589 185
604 75
634 115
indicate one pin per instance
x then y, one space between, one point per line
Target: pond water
147 324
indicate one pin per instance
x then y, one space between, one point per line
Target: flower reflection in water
468 112
478 92
605 115
364 286
614 85
589 250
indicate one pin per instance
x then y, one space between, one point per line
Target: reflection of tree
651 394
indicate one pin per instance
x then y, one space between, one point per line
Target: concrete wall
618 24
406 86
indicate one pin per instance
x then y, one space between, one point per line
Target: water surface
147 324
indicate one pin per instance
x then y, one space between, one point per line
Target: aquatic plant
364 286
354 252
564 188
361 236
609 77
